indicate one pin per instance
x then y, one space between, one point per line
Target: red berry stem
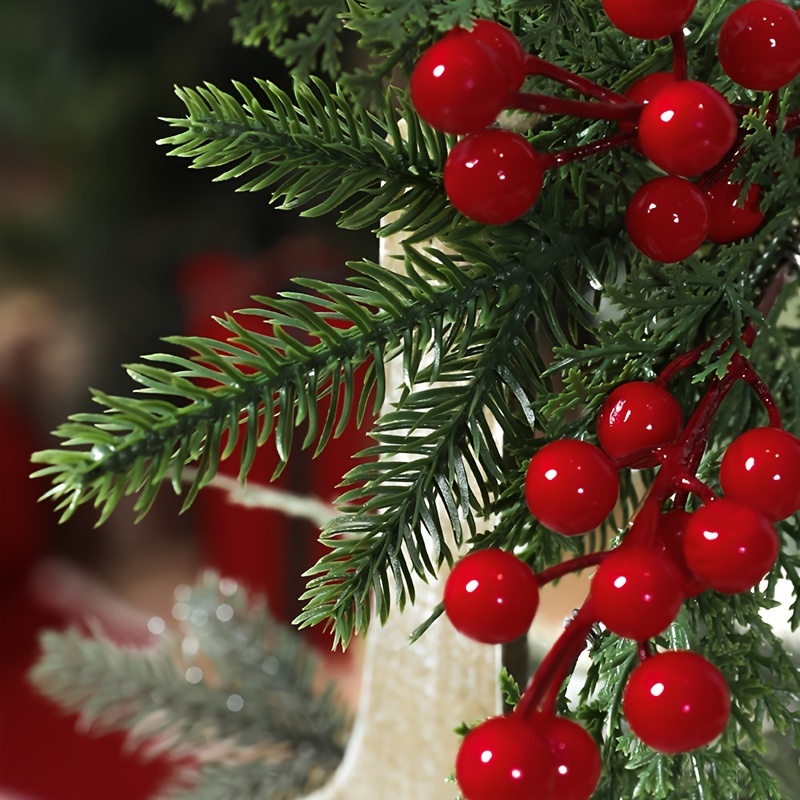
588 109
693 443
716 173
558 661
572 565
644 650
681 363
561 157
534 65
644 527
764 394
694 485
773 110
566 664
680 60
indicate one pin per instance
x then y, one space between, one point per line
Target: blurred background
106 245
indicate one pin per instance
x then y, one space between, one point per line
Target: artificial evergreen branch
319 154
236 688
260 380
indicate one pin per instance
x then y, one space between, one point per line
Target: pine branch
244 697
318 153
404 506
264 385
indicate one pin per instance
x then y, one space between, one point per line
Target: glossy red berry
728 220
643 91
729 546
637 592
571 486
504 757
576 757
650 19
493 177
687 128
491 596
676 701
505 46
671 527
667 219
759 45
638 416
761 468
459 85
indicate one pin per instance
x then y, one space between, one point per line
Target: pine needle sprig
317 153
404 507
245 694
302 371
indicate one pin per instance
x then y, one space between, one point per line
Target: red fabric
42 756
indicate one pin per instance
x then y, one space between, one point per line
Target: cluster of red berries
674 701
684 127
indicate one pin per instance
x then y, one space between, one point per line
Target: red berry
493 176
671 527
459 84
649 19
643 91
761 468
759 45
687 128
667 219
571 486
638 416
729 546
504 757
505 46
729 221
491 596
676 701
637 592
576 757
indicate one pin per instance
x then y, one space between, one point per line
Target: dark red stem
764 394
538 66
572 565
693 484
559 659
680 63
644 650
561 157
589 109
721 170
680 363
